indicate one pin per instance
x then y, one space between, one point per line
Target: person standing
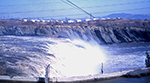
147 60
102 69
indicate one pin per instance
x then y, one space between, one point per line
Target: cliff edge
103 31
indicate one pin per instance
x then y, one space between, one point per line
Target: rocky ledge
103 31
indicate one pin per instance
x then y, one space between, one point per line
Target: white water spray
78 57
31 55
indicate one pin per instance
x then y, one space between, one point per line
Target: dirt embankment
103 31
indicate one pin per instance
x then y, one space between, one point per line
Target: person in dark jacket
147 60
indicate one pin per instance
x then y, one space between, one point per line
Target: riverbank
108 31
84 79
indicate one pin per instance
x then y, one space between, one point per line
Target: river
126 56
29 56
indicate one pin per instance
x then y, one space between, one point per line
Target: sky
60 9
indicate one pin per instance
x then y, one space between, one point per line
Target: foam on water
29 56
79 58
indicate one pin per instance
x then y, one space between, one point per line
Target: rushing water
125 56
29 56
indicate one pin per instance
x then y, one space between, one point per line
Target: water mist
78 57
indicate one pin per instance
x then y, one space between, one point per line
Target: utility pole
46 74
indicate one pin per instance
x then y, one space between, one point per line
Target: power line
79 8
67 9
70 5
102 12
93 13
123 10
31 4
71 8
117 4
28 4
137 2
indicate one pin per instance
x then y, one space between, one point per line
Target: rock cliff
104 31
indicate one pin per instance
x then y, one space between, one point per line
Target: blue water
125 56
29 56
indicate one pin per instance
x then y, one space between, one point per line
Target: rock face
104 32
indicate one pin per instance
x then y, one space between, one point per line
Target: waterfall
78 57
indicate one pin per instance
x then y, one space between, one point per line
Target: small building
62 22
95 18
25 20
87 19
42 20
108 18
79 20
37 20
70 21
48 21
118 18
103 18
56 20
32 20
